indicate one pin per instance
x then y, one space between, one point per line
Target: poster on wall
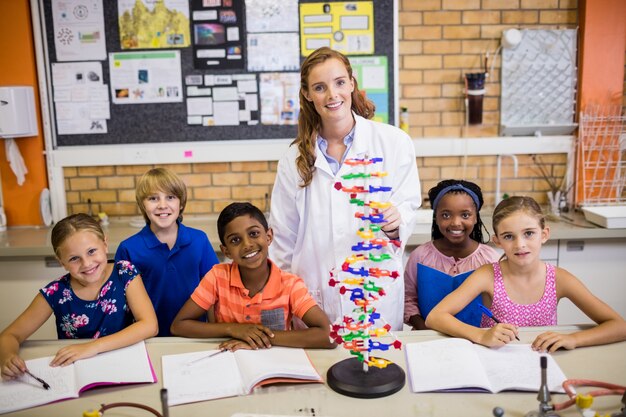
371 74
145 77
272 16
280 103
347 27
81 99
146 24
222 100
273 52
218 34
78 30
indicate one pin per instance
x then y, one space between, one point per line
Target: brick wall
440 40
210 187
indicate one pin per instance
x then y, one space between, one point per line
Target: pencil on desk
44 383
489 314
207 356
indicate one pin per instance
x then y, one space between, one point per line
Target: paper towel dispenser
18 117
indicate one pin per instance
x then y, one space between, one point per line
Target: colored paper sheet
146 77
218 34
280 98
146 24
371 74
347 27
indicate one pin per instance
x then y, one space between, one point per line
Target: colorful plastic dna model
363 277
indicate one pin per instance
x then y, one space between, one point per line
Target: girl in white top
314 224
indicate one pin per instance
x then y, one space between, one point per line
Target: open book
454 364
127 365
191 377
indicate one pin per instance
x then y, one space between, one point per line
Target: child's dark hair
238 209
514 204
72 224
458 187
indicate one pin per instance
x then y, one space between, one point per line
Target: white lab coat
315 227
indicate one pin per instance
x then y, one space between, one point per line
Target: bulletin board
171 114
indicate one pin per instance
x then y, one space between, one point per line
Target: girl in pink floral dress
96 300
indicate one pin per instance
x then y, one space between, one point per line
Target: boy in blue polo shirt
171 257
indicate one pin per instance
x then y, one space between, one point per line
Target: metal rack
601 158
539 79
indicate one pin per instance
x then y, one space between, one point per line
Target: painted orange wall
601 84
603 34
17 67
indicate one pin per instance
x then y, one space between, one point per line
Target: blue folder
433 285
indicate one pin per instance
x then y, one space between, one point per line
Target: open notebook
191 377
127 365
454 364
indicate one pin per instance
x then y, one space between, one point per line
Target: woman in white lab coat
314 223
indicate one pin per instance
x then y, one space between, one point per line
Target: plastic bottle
404 119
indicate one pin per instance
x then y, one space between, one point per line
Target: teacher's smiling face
330 90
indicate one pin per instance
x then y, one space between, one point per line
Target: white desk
603 363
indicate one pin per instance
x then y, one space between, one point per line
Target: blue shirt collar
322 143
182 239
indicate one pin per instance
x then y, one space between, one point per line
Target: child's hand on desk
551 341
69 354
13 367
235 344
498 335
255 335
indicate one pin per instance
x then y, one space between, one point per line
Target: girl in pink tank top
521 290
541 313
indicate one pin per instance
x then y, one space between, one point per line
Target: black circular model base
348 378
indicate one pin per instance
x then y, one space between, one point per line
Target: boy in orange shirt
254 300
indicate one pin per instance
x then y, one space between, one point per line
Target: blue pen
489 314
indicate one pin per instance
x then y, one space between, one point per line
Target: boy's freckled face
246 242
